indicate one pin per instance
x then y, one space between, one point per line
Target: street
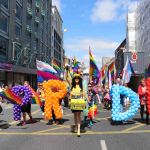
102 136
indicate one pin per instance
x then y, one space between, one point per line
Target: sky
98 24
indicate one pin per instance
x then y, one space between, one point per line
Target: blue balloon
117 110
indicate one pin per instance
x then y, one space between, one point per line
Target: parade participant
142 96
77 93
40 92
26 108
92 103
107 99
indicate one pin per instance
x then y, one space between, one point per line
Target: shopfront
16 74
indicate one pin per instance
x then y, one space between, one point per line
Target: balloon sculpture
26 97
148 94
117 114
54 90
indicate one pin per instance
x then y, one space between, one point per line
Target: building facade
143 29
25 35
58 53
130 37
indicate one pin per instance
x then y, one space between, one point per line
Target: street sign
134 56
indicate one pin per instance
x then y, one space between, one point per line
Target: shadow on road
4 124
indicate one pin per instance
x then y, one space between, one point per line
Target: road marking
132 128
106 118
103 144
59 127
69 133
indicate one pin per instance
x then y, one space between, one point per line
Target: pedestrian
142 96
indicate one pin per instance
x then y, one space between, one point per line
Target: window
4 23
28 21
3 46
36 12
5 3
18 31
29 3
18 12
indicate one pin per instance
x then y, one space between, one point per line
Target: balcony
37 5
43 13
37 20
29 10
29 28
36 35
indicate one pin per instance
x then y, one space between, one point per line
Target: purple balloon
25 94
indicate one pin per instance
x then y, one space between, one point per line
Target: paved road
133 135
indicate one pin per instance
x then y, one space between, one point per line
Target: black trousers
142 113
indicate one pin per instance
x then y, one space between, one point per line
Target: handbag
77 104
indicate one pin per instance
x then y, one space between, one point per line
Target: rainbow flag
56 67
35 98
75 65
93 110
93 71
112 70
103 74
11 97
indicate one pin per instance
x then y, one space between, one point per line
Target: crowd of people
94 95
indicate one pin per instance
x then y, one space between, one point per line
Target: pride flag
45 72
75 65
103 74
11 97
127 72
112 70
93 71
56 67
35 98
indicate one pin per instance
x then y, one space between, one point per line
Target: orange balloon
54 90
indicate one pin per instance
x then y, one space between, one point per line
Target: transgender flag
127 72
45 72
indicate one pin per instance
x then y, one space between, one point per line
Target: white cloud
104 10
79 47
57 3
98 45
109 10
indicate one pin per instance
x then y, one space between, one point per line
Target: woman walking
77 95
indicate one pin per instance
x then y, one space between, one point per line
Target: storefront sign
5 67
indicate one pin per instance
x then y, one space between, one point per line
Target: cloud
97 44
79 47
109 10
57 3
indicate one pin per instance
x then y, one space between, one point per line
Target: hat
76 75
